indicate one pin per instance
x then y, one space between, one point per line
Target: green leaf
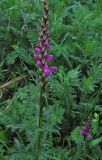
96 142
89 84
76 137
3 158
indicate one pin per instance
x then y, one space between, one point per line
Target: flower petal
47 46
48 57
86 130
36 56
39 62
53 68
48 70
38 48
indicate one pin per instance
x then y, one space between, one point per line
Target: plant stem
40 123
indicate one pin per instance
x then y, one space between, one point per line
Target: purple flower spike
86 130
41 50
85 133
48 70
38 49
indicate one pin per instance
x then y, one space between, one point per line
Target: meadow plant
40 117
86 131
43 57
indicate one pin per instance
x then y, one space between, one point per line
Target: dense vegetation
74 92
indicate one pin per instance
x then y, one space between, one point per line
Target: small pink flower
36 56
48 57
39 62
38 49
47 46
48 70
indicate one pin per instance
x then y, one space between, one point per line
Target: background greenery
74 92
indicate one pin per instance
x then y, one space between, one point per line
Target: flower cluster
43 58
86 130
41 50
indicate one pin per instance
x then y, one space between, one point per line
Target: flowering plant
42 56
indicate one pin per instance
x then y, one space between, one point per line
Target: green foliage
76 137
20 53
95 123
73 94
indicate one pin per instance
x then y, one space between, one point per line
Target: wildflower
41 50
38 48
48 57
36 56
42 57
86 130
47 46
49 70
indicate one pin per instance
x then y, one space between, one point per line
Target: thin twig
11 82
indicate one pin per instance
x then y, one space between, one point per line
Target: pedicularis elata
86 131
42 48
43 57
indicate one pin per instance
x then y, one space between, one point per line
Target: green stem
40 123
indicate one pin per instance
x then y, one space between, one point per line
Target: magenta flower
38 49
86 130
39 62
45 58
49 70
36 56
47 46
48 57
41 50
